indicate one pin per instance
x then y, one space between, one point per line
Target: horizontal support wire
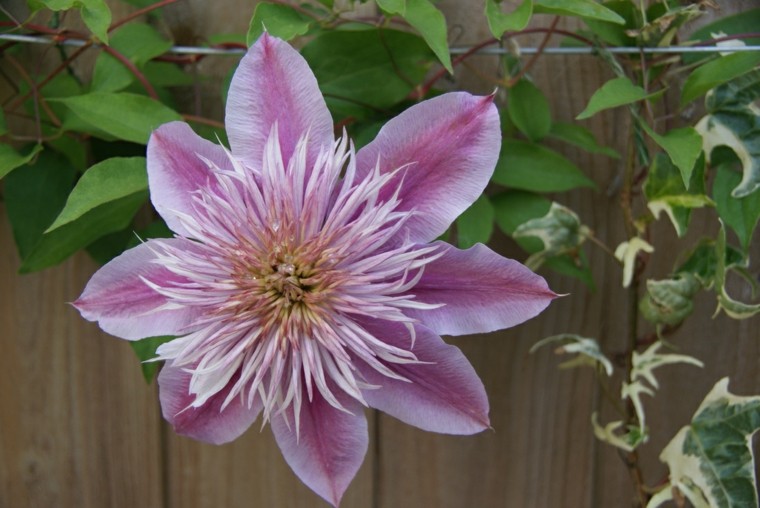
459 50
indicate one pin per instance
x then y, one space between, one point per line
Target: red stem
140 12
133 69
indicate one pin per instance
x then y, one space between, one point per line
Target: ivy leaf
431 24
669 301
615 92
733 122
515 207
10 159
744 22
137 115
713 453
716 72
741 214
139 43
702 261
529 110
499 22
279 20
145 350
627 252
580 8
734 308
627 441
665 191
475 224
587 349
581 137
536 168
560 231
113 179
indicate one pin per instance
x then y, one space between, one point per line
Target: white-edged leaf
587 349
669 301
609 434
734 308
626 253
714 452
560 231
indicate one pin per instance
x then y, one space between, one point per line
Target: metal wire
459 50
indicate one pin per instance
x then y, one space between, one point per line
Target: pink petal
482 292
330 446
123 305
175 170
452 143
207 423
444 395
273 83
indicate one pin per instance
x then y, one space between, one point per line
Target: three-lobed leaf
710 459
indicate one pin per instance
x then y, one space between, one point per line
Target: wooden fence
80 428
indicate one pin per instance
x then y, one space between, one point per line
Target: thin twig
140 12
511 82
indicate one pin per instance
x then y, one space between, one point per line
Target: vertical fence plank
78 426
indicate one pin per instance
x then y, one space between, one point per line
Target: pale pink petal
176 170
273 84
444 395
451 144
209 423
124 305
329 447
482 292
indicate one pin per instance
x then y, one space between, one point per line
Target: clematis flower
303 282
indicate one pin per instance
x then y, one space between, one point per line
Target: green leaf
139 43
167 74
38 194
740 214
580 8
702 261
10 159
34 195
560 231
107 181
145 349
614 93
713 453
581 137
665 191
683 146
734 123
616 34
125 116
377 68
717 72
97 16
588 351
499 22
431 24
529 110
734 308
278 20
533 167
475 224
393 6
669 301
